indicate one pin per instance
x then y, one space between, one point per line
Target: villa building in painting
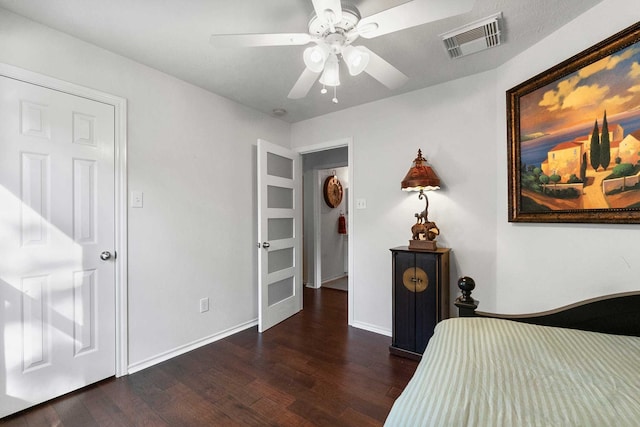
565 158
629 148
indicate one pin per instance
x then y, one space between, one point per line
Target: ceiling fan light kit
315 57
356 58
331 74
333 29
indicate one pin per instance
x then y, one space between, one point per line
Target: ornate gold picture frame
573 136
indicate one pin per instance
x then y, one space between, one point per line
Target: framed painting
574 137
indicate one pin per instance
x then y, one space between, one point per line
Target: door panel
57 216
279 166
279 197
280 228
279 234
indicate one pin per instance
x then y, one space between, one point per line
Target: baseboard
372 328
344 276
138 366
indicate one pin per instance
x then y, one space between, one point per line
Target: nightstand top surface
406 249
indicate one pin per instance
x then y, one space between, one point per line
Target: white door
279 234
56 219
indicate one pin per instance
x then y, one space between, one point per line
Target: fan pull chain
335 93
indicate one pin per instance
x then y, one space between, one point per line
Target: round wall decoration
332 191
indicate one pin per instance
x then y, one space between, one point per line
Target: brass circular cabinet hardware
415 279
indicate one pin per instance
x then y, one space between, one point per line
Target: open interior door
279 234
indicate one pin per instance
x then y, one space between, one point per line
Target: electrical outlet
204 305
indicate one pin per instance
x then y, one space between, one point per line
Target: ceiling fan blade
329 10
257 40
384 72
411 14
303 85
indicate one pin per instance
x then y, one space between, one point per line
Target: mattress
493 372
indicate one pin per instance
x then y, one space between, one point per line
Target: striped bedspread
491 372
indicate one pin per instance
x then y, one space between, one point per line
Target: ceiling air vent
473 37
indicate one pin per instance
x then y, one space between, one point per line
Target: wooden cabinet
420 298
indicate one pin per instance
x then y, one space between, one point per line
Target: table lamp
421 177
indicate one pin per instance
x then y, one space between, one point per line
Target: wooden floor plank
310 370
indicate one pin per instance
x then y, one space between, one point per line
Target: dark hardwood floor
311 369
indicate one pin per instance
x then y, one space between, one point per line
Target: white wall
192 153
454 124
461 128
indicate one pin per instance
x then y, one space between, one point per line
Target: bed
576 366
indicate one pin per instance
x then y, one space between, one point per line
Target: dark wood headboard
612 314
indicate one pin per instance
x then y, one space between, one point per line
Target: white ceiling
173 36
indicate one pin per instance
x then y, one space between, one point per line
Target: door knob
265 245
105 255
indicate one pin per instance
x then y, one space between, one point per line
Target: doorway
327 249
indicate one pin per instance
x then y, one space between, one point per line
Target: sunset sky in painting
611 84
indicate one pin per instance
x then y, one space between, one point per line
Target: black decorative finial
466 285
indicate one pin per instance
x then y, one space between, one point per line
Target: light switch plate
361 203
136 199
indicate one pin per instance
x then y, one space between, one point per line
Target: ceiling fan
334 27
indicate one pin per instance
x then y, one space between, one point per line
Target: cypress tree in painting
594 151
605 144
583 168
